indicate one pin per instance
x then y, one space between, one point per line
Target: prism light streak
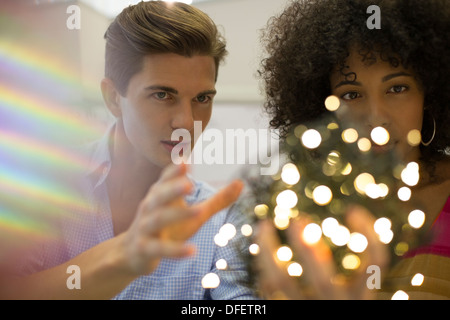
29 63
29 187
44 113
12 223
24 146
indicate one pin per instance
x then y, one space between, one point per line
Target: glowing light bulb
380 136
347 170
329 225
332 103
414 137
410 175
364 144
210 281
357 242
312 233
261 210
281 222
221 264
349 135
400 295
417 280
416 219
404 193
290 174
351 261
246 230
341 236
284 253
287 199
228 231
362 181
220 240
254 249
295 269
322 195
382 224
383 228
311 139
386 237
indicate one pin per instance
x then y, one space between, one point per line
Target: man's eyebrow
394 75
206 92
342 83
162 88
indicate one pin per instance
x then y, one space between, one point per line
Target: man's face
169 93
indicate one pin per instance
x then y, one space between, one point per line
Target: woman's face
382 95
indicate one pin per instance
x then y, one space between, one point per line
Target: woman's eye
398 89
350 96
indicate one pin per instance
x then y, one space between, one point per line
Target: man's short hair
157 27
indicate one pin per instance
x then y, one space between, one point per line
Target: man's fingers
221 200
169 217
172 171
203 211
165 192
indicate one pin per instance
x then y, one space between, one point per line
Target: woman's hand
316 259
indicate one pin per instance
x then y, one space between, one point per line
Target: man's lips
170 144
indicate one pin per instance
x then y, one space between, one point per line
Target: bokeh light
210 281
380 136
312 233
311 139
295 269
290 174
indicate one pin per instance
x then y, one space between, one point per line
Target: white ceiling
111 9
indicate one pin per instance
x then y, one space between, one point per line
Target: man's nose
183 117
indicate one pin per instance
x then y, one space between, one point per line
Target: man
161 68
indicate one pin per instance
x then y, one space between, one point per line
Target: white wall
241 22
240 98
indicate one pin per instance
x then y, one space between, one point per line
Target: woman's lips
384 148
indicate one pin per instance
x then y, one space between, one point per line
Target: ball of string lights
331 164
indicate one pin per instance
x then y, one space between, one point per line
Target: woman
395 77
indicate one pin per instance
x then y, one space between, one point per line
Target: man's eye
161 95
350 96
203 99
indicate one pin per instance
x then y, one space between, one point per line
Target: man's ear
111 96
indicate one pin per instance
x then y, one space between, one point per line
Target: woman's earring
426 144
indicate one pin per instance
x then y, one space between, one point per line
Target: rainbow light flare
38 126
45 115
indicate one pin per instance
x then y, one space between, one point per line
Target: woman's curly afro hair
311 37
